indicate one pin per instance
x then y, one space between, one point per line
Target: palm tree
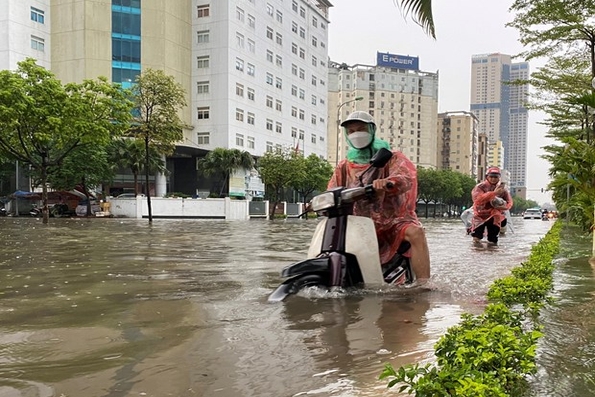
129 153
223 162
421 11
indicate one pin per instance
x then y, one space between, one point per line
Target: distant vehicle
532 213
129 195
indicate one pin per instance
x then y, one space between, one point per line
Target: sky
360 28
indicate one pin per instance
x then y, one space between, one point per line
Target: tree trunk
147 178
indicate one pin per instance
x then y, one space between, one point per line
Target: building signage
397 61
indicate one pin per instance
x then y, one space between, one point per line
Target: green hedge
490 354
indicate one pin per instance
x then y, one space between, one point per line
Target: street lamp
357 98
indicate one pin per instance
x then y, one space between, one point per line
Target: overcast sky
360 28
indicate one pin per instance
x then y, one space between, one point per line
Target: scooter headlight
323 201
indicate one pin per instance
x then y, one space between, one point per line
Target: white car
532 213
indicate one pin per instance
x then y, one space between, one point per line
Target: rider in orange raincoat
393 209
490 200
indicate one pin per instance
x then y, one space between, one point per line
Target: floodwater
119 307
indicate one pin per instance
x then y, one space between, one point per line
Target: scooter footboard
311 265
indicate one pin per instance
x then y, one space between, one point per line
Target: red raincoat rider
393 209
490 200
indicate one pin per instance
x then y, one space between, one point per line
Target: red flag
297 147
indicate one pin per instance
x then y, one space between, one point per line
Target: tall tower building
402 99
254 72
500 108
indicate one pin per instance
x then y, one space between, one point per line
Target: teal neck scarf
363 156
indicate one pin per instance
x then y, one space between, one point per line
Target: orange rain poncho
482 195
392 212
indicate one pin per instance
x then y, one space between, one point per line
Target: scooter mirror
381 157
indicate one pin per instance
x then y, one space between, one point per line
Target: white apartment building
458 142
402 99
500 108
259 75
254 71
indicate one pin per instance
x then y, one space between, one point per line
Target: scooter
344 252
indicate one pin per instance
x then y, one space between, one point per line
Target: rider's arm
402 174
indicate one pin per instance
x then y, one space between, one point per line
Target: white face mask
360 139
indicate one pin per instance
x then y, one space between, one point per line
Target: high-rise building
254 72
458 142
402 99
500 108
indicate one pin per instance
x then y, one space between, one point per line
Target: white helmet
362 116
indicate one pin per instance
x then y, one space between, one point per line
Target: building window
294 27
302 114
293 111
302 33
293 132
269 124
294 90
37 15
314 61
269 101
239 14
37 43
278 83
301 138
250 118
239 89
251 94
202 87
239 115
270 56
203 112
202 62
314 100
314 22
240 40
240 140
314 80
202 138
279 38
279 60
269 33
251 21
279 15
294 6
251 70
302 12
270 9
239 64
302 94
202 11
294 48
269 79
202 36
278 127
302 74
269 146
313 139
250 142
278 105
302 53
314 41
251 46
294 69
313 121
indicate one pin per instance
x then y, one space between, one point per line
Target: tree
42 121
422 13
310 174
277 173
157 99
223 162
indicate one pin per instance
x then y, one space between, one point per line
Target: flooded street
118 307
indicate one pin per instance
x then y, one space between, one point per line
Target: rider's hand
499 190
383 184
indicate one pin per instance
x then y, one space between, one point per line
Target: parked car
129 195
532 213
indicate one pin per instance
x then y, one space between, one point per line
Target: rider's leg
420 255
493 231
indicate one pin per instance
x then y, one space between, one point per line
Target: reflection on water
111 307
567 350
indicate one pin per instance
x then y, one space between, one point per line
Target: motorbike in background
344 250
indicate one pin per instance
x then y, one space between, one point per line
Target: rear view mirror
381 158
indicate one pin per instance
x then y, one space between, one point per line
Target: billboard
397 61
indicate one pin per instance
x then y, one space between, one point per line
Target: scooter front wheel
296 284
